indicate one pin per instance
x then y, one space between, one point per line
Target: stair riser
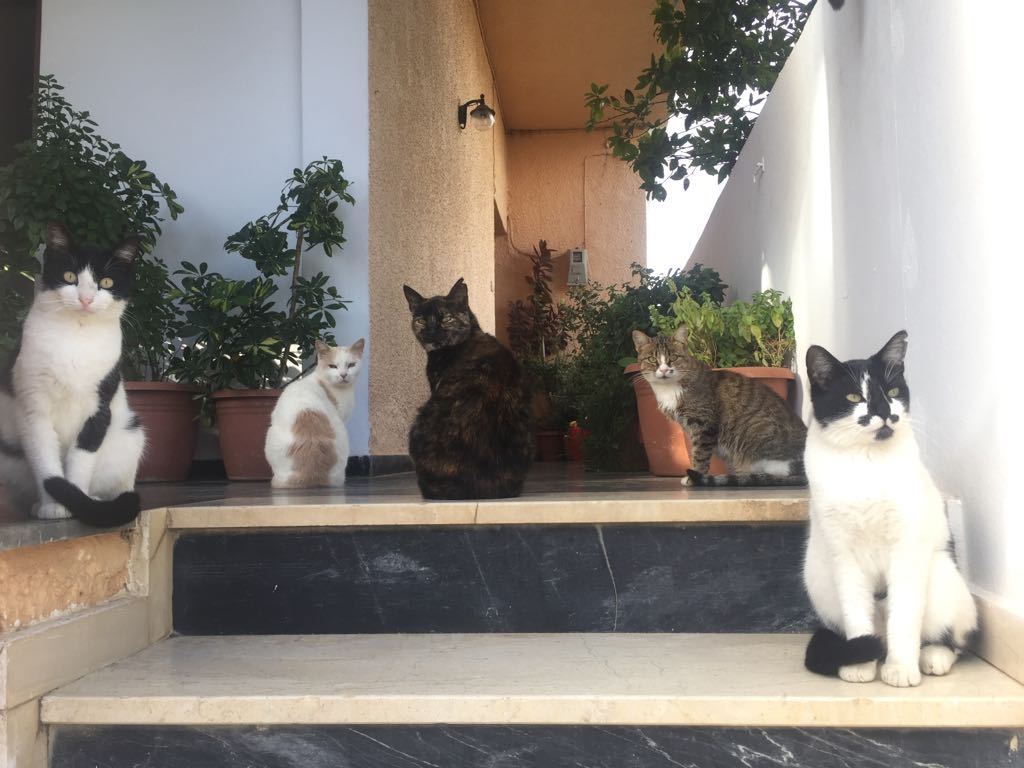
530 747
653 578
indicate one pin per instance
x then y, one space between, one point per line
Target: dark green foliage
68 173
720 60
239 336
602 320
152 323
758 332
535 326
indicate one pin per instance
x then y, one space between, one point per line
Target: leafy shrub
602 320
758 332
240 337
68 172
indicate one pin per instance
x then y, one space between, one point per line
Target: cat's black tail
828 651
744 479
84 508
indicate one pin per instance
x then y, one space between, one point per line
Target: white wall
223 99
891 200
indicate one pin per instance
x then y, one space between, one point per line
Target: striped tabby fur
742 420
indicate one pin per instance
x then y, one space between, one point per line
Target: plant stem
296 268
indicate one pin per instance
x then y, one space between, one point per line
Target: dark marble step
625 578
530 747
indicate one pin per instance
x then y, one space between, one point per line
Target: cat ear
322 348
459 292
640 340
127 250
821 365
894 351
412 297
357 347
57 237
681 334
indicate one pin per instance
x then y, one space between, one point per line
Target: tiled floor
558 487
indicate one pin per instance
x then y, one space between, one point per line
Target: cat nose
85 300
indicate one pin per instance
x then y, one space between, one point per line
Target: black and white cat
69 444
879 556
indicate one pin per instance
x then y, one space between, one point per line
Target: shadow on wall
773 224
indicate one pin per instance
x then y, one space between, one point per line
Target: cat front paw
859 673
901 675
937 659
50 510
686 481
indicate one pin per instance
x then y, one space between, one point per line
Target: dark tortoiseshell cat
750 426
472 439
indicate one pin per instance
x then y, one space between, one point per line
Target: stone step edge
733 681
228 515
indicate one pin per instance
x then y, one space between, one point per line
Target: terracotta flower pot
169 413
243 418
550 445
666 443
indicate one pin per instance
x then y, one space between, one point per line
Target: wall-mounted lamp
482 115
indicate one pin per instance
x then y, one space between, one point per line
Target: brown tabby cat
750 426
472 439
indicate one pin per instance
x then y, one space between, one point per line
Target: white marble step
550 497
649 679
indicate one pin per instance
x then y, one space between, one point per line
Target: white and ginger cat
880 570
307 444
69 443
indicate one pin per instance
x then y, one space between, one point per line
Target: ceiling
546 53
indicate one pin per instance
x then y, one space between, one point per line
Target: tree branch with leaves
720 60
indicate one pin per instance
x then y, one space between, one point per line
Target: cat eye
107 283
893 392
332 365
853 398
70 278
351 365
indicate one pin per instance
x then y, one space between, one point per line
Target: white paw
937 659
859 673
50 510
686 480
901 675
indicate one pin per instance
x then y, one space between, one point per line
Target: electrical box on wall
578 266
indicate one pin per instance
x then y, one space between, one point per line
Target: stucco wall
51 579
223 99
432 201
565 189
889 201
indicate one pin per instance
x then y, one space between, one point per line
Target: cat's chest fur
60 365
680 403
880 496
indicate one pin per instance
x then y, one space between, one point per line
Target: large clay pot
666 443
169 413
550 445
243 417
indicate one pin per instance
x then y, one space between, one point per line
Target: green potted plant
243 343
537 335
753 338
600 320
167 407
68 172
